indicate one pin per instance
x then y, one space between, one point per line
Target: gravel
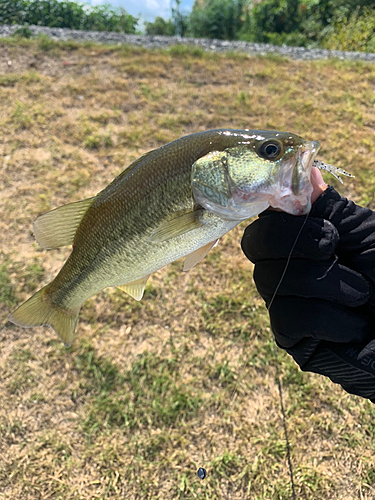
206 44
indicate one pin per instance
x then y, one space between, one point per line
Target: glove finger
273 235
311 279
294 318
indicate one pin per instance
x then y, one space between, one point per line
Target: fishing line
287 444
278 377
288 261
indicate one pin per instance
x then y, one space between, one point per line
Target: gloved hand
323 313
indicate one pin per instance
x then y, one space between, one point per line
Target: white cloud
152 4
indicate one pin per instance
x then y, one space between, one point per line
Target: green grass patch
7 296
21 116
180 50
149 394
33 276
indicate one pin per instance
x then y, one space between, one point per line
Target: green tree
272 16
179 19
107 18
66 14
357 33
220 19
160 27
12 11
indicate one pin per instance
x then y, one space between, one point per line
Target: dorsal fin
136 288
58 227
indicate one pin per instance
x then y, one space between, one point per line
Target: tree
160 27
221 19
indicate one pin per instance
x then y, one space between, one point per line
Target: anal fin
198 255
136 288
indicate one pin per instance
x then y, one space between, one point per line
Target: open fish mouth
308 155
294 193
306 161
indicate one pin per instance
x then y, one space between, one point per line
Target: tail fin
38 311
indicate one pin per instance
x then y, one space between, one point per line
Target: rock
212 45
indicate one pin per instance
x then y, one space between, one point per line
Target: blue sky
148 9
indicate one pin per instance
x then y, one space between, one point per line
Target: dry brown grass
150 392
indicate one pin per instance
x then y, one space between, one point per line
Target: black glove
324 311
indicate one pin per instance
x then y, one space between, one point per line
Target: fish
175 201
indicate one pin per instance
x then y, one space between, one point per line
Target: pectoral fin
58 227
181 224
195 257
136 288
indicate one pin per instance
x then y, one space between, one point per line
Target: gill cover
216 191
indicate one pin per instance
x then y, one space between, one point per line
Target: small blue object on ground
201 473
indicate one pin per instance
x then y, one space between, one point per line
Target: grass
151 391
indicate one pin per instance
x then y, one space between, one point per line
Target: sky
148 9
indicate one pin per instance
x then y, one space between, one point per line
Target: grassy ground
151 391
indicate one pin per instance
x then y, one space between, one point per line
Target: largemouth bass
175 201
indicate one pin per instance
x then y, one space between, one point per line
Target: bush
23 32
220 19
106 18
294 39
356 33
66 14
272 17
329 12
307 23
160 27
12 11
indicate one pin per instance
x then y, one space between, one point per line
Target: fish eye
270 150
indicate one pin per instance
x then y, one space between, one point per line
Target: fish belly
127 261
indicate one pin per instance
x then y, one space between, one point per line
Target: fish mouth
295 188
309 151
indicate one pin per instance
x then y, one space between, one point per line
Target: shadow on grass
149 393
